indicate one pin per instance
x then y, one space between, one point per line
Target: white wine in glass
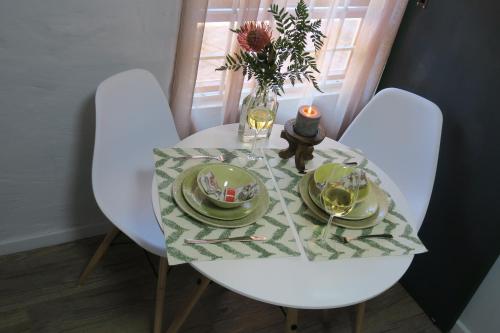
337 200
339 197
258 119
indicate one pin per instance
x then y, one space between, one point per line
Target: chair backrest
132 118
401 133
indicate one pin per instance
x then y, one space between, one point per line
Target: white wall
53 54
482 313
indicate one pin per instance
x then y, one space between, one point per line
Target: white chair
401 133
132 118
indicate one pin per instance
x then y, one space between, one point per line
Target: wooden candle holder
300 146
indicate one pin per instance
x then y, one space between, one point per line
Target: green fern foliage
267 65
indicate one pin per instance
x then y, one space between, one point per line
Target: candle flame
310 111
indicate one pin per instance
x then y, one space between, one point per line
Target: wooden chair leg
291 320
360 316
184 312
160 294
99 253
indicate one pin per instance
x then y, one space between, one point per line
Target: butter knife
221 240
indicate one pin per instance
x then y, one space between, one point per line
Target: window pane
215 39
291 3
339 61
206 72
357 3
333 32
349 32
220 4
354 3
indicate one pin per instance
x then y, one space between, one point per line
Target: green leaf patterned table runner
178 226
405 240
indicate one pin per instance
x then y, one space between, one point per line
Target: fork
219 158
346 240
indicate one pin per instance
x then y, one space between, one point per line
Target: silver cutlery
229 239
217 157
345 239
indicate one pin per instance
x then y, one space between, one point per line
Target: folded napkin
229 194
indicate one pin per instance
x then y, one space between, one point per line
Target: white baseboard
52 238
460 327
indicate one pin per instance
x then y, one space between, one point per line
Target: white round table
295 282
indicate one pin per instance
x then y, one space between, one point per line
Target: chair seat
138 221
128 205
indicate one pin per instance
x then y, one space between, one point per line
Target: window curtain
187 56
248 11
373 47
189 42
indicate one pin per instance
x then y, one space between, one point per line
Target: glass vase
258 98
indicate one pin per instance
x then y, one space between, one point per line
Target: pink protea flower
254 36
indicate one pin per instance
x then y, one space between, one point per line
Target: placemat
405 239
178 226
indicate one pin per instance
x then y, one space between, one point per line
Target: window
360 34
341 21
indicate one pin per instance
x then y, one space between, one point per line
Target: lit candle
307 121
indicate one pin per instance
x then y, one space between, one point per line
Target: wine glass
339 195
258 119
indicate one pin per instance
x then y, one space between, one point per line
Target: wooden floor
39 293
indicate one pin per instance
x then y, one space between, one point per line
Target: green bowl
322 173
226 176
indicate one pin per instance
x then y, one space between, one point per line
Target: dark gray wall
53 54
450 54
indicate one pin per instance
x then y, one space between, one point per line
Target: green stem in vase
252 151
